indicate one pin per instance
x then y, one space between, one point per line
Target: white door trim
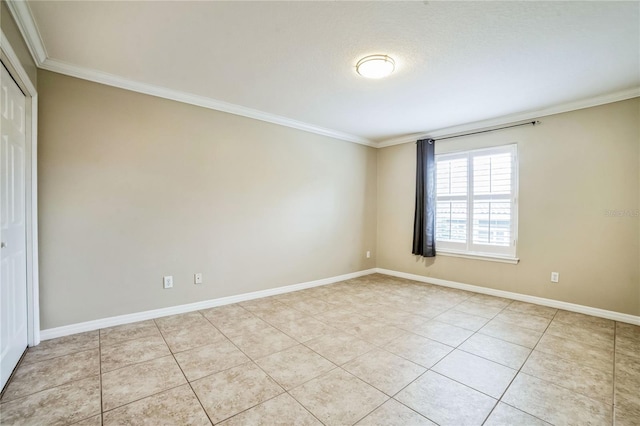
17 71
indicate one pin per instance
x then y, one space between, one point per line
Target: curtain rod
528 123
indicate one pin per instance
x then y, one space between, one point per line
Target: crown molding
514 118
189 98
27 26
24 19
6 48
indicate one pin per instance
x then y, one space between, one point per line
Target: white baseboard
588 310
66 330
81 327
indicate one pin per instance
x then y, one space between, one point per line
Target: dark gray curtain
424 224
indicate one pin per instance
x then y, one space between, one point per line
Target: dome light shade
375 66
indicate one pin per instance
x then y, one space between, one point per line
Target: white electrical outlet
555 277
197 278
368 254
167 281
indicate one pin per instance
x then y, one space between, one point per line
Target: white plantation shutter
476 208
452 184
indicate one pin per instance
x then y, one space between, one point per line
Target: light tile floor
374 350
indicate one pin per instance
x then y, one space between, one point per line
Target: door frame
17 71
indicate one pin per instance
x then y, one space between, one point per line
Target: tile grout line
357 295
574 341
498 338
99 382
338 366
100 376
57 356
261 369
407 359
155 393
143 397
322 374
457 347
301 404
137 363
613 396
182 371
22 363
431 369
531 350
51 387
271 324
314 316
567 359
409 384
369 384
518 372
12 375
250 358
571 338
599 401
127 340
382 348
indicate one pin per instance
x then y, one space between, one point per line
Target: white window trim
478 256
474 251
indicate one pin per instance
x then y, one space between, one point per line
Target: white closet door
13 265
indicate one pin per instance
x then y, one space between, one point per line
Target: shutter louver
476 210
451 209
491 199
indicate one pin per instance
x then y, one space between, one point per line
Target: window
476 195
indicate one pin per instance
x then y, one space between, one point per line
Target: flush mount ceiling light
375 66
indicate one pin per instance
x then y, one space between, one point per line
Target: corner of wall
11 30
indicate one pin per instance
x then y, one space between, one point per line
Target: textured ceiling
457 62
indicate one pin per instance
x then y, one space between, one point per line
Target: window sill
478 256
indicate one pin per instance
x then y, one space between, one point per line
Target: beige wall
134 187
10 29
573 167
